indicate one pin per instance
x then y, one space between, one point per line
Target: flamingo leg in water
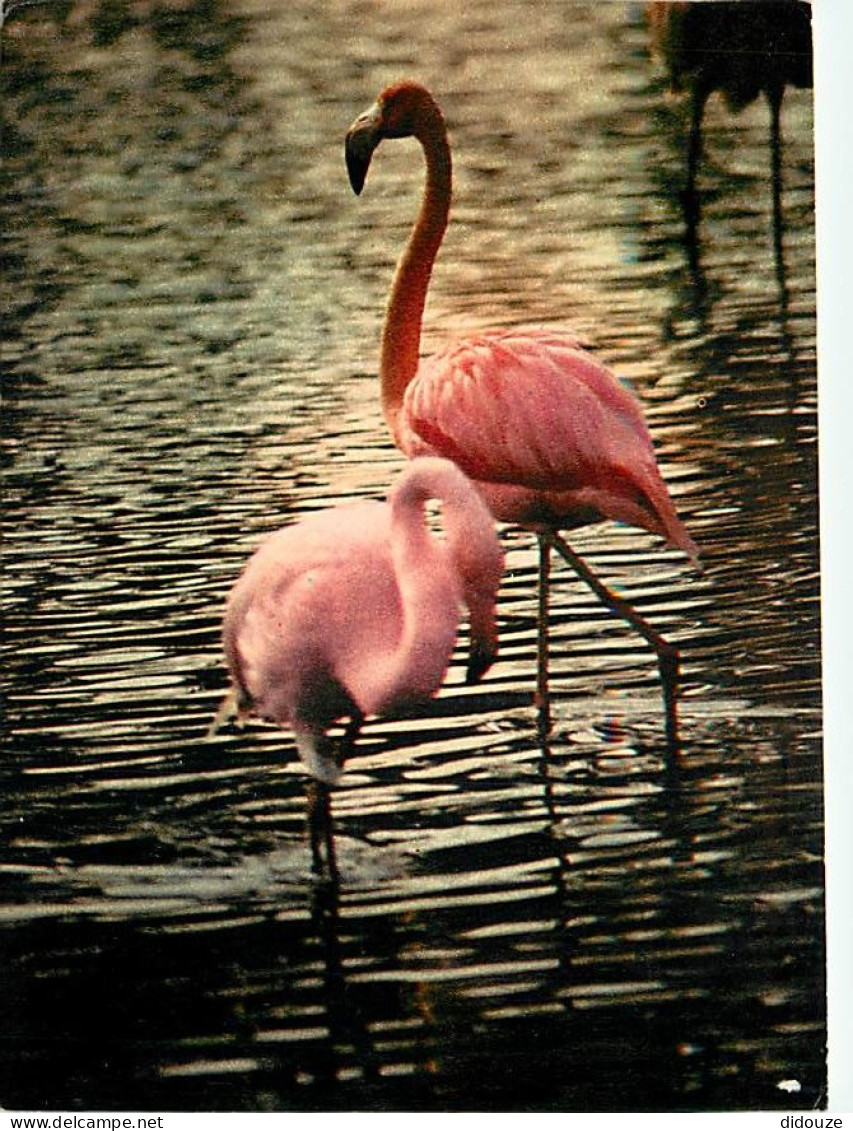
774 101
543 704
320 830
320 827
667 654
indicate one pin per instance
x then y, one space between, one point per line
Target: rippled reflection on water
195 302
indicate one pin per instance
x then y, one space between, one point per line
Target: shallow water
194 300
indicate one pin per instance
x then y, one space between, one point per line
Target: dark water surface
194 300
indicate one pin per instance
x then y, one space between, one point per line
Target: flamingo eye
397 119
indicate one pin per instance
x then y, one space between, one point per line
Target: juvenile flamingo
550 437
740 49
354 612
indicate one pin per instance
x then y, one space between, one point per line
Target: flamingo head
362 139
402 110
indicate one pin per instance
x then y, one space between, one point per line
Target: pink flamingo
354 611
547 433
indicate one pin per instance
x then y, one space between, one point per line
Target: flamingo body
741 49
548 434
355 611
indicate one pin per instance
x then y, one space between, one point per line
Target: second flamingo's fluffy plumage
355 611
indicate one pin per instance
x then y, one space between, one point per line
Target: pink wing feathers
533 410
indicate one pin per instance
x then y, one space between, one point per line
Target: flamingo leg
694 155
320 828
774 98
667 654
690 207
323 857
543 703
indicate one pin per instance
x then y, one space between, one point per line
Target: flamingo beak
480 659
362 139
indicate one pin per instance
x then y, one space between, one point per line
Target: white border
833 26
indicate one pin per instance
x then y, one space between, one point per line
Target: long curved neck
435 578
412 666
401 335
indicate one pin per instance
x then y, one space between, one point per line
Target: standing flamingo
550 437
354 612
740 49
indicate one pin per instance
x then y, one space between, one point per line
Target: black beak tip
479 663
357 167
357 175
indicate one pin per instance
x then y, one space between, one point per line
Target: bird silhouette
355 611
740 49
547 433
